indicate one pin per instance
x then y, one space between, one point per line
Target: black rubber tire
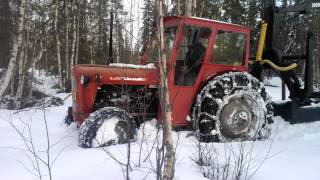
215 97
125 128
69 117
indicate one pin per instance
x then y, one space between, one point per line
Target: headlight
84 80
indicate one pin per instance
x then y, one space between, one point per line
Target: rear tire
232 107
107 126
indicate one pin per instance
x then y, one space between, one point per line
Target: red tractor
209 85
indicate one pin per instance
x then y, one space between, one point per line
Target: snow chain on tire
90 126
213 105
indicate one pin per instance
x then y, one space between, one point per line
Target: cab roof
177 19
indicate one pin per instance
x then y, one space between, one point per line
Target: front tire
232 107
107 126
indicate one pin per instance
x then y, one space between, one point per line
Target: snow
273 87
133 66
216 21
293 151
45 83
106 132
124 78
316 5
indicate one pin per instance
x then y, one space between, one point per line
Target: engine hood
118 74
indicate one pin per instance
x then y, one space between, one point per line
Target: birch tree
17 41
66 34
23 57
191 7
58 45
74 34
164 99
77 32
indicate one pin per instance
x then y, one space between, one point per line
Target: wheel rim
238 118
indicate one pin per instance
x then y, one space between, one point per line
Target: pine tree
148 23
209 9
252 13
234 11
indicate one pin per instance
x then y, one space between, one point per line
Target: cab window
191 52
153 51
229 48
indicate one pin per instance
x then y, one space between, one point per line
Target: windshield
154 51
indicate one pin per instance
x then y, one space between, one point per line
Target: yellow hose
276 67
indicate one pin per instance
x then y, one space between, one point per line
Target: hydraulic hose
259 59
276 67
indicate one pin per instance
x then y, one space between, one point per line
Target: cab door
185 78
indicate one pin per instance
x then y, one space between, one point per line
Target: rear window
229 48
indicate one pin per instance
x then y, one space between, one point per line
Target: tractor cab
197 50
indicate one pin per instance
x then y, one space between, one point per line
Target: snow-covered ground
292 153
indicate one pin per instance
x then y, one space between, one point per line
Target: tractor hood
117 74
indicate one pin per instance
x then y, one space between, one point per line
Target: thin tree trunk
118 40
29 95
22 77
20 82
178 7
91 55
131 31
33 67
202 7
12 83
194 6
17 41
74 34
66 42
164 100
77 32
22 72
191 7
58 46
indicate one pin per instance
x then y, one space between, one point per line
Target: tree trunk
164 100
74 34
178 8
22 77
58 46
22 71
191 7
77 34
91 54
17 41
66 57
118 39
194 6
33 67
